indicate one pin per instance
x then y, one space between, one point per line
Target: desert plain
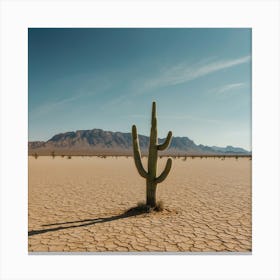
80 204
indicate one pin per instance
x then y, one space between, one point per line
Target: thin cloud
230 87
183 73
191 118
177 117
87 87
170 117
48 107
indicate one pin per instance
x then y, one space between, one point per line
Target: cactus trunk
151 175
151 193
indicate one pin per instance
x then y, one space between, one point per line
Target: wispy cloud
230 87
50 106
188 117
177 117
183 73
178 74
78 86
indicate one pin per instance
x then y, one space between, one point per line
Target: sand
78 205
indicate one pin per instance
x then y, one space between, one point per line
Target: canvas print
139 140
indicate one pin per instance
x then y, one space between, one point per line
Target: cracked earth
80 204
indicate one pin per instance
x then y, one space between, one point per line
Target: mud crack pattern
79 204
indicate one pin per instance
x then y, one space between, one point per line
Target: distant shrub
69 157
53 154
35 155
102 156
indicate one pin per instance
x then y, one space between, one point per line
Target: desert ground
80 204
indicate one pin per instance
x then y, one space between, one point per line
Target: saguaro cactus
151 175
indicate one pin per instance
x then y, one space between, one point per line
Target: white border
17 16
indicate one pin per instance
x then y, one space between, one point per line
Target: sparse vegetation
159 206
35 155
69 157
150 175
142 207
53 154
102 156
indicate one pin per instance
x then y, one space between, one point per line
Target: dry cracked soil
80 204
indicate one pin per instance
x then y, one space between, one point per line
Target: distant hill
230 149
100 142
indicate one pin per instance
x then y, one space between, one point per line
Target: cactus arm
136 153
165 172
166 143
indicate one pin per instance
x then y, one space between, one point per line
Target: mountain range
100 142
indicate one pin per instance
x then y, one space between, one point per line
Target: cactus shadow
135 211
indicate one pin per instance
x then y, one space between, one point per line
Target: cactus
151 175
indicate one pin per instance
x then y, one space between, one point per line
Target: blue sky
108 78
